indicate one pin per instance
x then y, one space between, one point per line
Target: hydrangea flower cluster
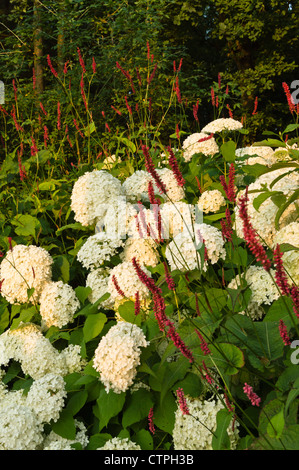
25 268
117 443
182 252
118 354
36 355
92 194
58 304
211 201
199 143
194 431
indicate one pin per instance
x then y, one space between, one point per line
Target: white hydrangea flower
289 234
55 442
174 192
222 124
135 186
92 194
118 218
58 304
46 397
128 281
262 154
191 146
97 249
117 443
36 355
194 431
118 355
20 428
263 289
211 201
176 218
182 254
263 220
23 268
97 280
143 249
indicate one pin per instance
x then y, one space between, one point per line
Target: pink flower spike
253 397
151 421
182 401
284 333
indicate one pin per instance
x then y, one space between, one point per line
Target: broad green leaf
137 407
220 439
65 426
26 225
93 325
228 150
144 439
165 413
276 425
77 401
109 404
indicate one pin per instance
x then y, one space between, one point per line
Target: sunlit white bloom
194 431
97 280
211 201
117 443
24 268
183 251
118 355
97 249
222 124
58 304
128 281
191 145
91 195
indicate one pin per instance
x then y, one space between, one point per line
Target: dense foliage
149 260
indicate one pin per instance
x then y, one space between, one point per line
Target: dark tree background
253 45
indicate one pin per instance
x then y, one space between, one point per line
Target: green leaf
109 405
220 439
165 413
276 425
228 150
93 326
26 225
77 401
65 426
137 407
144 439
282 209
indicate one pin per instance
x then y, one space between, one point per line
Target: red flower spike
182 401
284 333
253 397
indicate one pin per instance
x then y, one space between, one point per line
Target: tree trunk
38 48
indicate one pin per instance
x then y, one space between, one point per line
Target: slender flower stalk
295 299
170 282
255 106
195 110
289 97
81 60
120 292
230 187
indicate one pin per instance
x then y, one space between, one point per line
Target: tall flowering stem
151 169
230 187
175 167
250 235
